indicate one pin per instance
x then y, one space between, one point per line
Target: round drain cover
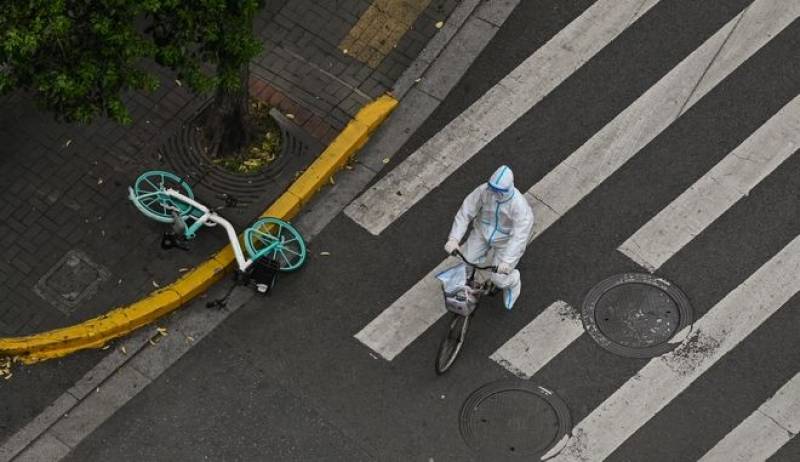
514 418
636 315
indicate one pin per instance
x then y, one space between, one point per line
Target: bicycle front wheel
278 239
452 342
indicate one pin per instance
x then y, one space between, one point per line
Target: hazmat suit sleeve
521 231
468 211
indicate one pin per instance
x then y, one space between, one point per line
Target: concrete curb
96 332
91 397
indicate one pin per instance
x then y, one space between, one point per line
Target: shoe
510 295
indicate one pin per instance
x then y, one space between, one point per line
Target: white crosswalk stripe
540 341
515 95
620 140
663 378
407 318
765 431
705 201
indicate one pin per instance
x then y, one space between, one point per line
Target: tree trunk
226 123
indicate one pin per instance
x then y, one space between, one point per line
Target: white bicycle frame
208 218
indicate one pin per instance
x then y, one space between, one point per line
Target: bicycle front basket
462 301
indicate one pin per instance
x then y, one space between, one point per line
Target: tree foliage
217 33
78 57
190 34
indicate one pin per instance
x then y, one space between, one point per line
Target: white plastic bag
453 278
458 296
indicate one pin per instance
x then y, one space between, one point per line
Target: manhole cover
514 418
70 281
636 315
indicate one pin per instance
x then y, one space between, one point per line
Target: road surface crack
791 433
710 63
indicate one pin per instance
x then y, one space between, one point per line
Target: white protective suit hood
502 183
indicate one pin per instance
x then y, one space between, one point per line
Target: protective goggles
497 189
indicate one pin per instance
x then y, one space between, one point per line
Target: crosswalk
664 377
762 433
719 330
730 180
494 112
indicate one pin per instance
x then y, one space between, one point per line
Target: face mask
498 195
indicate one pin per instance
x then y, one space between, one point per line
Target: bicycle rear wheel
148 195
452 342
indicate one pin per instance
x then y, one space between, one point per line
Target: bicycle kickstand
220 303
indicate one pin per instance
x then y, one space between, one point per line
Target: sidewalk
72 245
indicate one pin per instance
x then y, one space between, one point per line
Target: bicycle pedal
171 241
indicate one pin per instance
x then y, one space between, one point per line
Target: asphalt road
284 379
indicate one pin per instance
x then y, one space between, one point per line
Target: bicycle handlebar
461 255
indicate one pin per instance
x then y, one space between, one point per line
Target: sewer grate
185 154
513 418
74 279
636 315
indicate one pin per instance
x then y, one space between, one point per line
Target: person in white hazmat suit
502 223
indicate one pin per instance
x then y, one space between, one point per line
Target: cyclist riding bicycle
502 223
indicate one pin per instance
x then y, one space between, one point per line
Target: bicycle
461 303
272 245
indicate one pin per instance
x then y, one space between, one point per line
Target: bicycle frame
207 217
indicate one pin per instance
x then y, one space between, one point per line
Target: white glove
451 246
504 268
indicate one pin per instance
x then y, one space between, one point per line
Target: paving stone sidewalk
72 246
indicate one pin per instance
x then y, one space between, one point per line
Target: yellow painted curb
96 332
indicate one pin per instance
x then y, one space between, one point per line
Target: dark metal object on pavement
636 315
514 419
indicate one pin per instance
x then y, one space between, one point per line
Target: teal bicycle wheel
149 196
277 239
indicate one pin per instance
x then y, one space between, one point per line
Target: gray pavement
306 67
283 378
66 226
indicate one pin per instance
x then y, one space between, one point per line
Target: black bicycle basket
265 272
